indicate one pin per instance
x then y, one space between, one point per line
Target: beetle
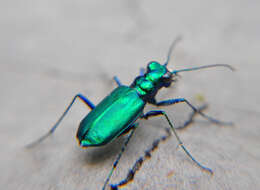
118 112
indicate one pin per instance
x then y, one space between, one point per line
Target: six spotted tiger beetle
118 112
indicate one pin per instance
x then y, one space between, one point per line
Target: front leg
183 100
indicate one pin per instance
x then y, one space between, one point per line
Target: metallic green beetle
117 113
111 117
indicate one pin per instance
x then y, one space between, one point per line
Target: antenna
179 38
204 67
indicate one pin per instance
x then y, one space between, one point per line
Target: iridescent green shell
111 117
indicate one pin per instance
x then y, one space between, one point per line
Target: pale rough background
50 50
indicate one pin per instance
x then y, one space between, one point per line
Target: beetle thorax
154 79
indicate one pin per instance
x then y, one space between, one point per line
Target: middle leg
118 82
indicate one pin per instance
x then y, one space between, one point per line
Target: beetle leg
81 97
139 162
119 155
117 81
183 100
127 130
142 71
162 113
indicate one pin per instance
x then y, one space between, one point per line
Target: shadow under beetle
117 113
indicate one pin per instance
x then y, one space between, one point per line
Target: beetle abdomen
110 117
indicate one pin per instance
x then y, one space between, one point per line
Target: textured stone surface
51 50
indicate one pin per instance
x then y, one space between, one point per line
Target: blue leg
183 100
142 71
148 153
117 81
81 97
138 164
160 112
119 155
